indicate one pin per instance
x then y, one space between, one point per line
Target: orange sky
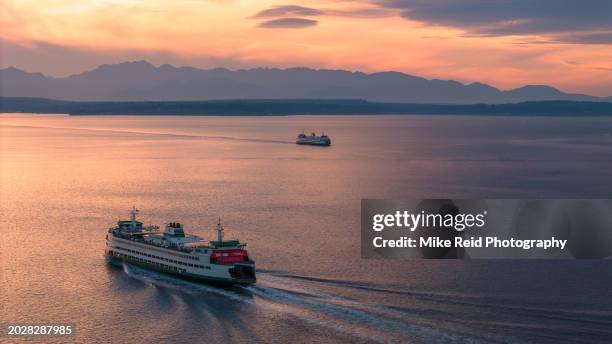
60 37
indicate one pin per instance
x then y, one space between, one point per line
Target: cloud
288 10
364 12
290 23
287 15
567 21
301 11
586 38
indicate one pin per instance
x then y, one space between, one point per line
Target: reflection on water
65 180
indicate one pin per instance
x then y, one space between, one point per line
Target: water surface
65 180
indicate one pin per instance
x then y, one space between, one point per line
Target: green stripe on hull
187 276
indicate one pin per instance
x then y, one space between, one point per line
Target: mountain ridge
143 81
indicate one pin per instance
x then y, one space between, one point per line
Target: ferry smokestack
219 231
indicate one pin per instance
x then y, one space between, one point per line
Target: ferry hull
243 280
310 143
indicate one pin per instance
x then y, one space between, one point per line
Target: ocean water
65 180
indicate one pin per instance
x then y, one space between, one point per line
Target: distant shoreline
286 107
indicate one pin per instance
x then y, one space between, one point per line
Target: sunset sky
566 44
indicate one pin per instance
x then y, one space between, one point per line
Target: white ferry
183 255
313 139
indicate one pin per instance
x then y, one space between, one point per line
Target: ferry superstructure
183 255
313 139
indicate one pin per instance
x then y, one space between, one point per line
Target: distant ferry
313 139
176 253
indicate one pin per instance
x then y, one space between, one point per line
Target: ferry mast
219 231
133 217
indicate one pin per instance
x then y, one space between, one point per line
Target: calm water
65 180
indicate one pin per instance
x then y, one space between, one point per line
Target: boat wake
161 134
378 313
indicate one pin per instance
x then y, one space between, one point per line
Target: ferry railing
138 238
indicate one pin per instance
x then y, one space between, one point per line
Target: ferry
183 255
313 139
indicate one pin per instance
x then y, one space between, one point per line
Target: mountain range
142 81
